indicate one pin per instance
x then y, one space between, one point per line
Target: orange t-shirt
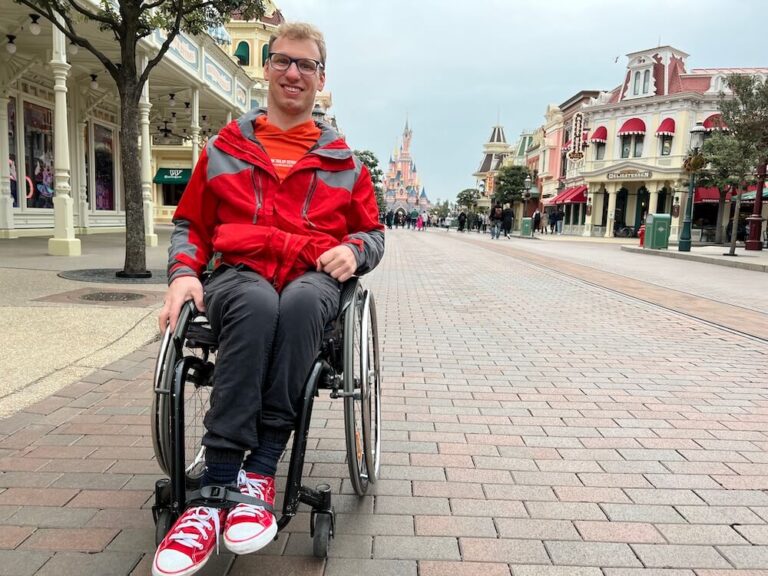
285 147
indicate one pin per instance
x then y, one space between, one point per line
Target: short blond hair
300 31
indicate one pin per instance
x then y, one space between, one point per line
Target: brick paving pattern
534 425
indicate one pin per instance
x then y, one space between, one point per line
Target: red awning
573 195
708 195
632 126
666 128
559 198
567 146
714 122
578 196
549 201
600 135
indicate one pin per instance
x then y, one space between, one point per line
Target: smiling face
291 95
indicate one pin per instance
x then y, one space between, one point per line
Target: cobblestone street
538 421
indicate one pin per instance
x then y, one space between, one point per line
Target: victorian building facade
495 152
60 164
611 158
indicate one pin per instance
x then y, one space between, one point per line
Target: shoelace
254 487
198 519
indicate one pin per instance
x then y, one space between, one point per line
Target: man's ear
321 84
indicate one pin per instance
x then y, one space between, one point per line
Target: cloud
453 67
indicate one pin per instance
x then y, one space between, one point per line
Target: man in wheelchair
287 213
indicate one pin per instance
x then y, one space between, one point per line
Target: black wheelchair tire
164 523
165 372
356 397
372 387
321 538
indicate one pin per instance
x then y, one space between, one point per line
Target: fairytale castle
402 190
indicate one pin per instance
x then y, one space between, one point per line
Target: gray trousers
267 345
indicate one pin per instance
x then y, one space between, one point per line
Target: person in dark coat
507 220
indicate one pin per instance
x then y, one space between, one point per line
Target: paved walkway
535 424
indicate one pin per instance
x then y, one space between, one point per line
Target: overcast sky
453 67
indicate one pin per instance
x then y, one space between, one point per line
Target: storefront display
38 161
104 167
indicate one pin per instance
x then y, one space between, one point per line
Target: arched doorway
641 208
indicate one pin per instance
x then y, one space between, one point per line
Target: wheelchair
348 366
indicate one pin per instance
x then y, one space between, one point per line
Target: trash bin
657 227
526 227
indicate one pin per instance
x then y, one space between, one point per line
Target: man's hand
181 289
338 262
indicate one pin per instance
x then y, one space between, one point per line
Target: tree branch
68 29
166 44
90 15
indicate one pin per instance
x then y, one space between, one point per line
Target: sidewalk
756 260
60 329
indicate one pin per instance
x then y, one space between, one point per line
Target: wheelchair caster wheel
163 524
323 532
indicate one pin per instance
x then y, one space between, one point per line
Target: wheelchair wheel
322 534
183 355
357 398
372 374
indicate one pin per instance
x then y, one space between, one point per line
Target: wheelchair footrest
224 497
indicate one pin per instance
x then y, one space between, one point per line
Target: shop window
38 154
12 167
264 54
632 145
599 151
243 53
626 146
104 167
666 145
172 194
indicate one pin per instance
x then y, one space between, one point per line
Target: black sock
263 460
221 467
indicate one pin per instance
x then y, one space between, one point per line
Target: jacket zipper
305 210
256 192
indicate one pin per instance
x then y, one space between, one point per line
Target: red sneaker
249 528
189 544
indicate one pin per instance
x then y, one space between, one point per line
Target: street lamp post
692 164
526 196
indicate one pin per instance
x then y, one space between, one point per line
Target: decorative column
6 200
653 201
63 242
589 217
194 127
612 193
150 238
82 154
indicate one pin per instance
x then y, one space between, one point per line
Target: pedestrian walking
537 221
495 220
507 220
560 218
552 221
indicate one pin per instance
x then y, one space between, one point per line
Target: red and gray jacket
236 209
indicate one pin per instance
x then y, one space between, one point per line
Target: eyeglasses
306 66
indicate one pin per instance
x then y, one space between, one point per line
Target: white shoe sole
252 544
188 572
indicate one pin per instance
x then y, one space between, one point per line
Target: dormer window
641 80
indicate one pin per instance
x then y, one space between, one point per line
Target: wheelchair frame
349 372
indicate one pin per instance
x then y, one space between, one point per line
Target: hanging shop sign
577 127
